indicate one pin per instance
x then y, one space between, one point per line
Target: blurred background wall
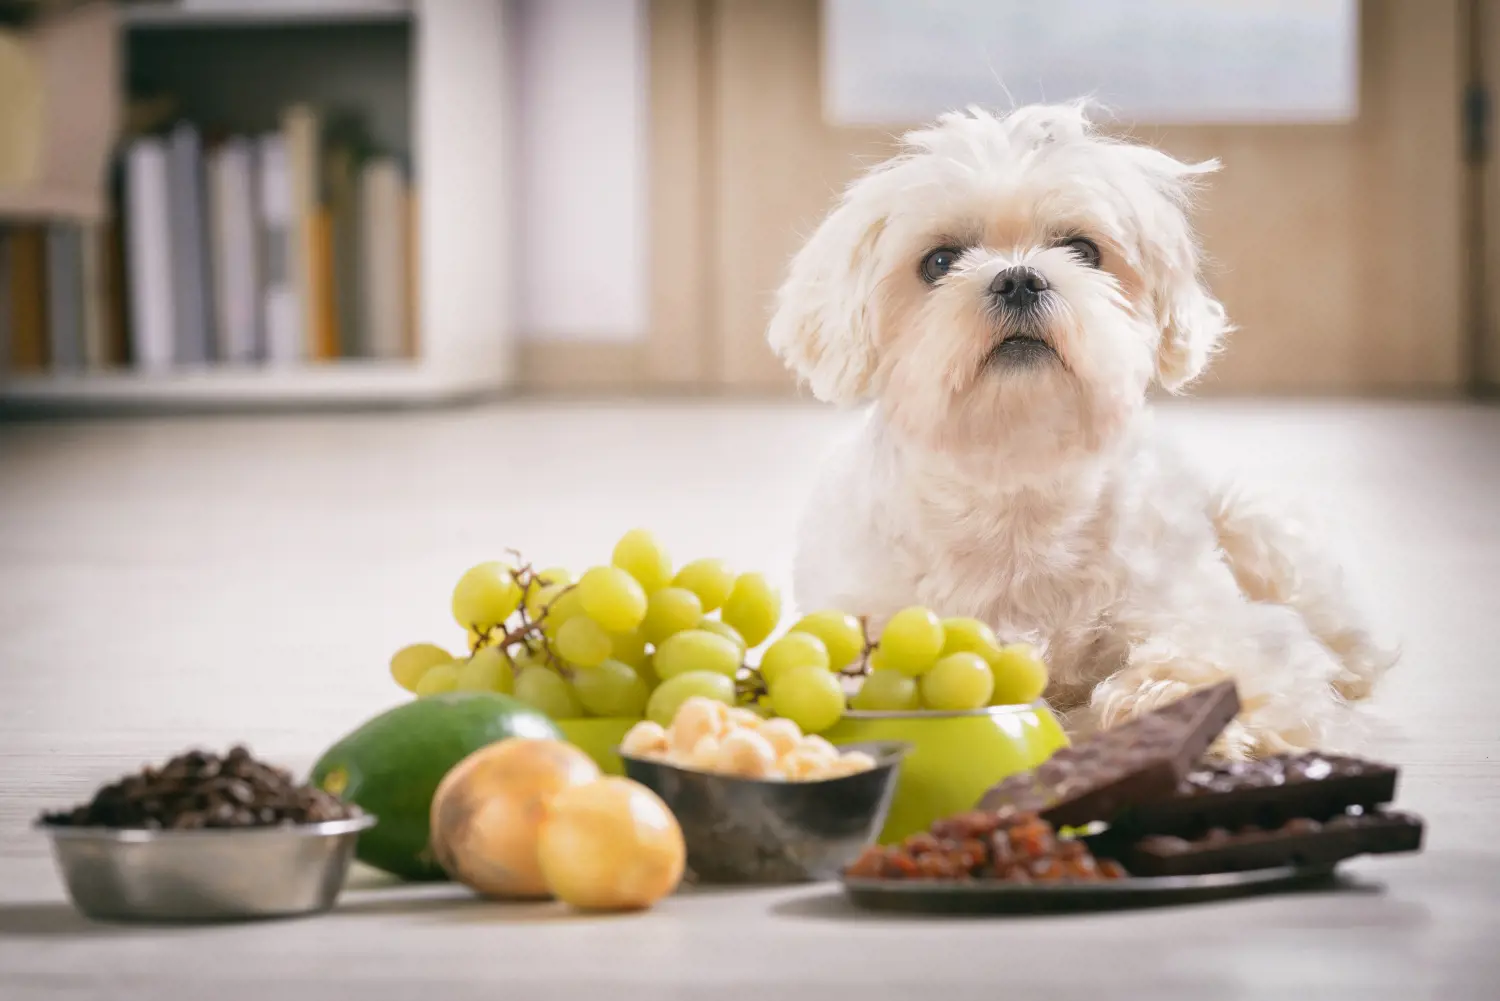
212 203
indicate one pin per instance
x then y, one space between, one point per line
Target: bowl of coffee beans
205 837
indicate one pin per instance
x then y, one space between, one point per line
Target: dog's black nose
1019 287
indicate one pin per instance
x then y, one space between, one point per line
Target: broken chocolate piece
1299 842
1141 761
1265 793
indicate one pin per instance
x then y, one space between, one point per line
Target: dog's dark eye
938 263
1086 249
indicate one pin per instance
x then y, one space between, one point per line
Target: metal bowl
220 874
753 831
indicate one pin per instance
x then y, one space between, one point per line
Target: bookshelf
434 81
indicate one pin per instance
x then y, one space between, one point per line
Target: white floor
200 581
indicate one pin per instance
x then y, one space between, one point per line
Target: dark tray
922 896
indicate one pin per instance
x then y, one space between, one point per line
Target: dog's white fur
1038 497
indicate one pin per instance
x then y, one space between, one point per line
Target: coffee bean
188 821
240 792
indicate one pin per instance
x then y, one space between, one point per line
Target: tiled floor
207 580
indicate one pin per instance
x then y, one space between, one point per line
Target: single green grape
670 610
582 643
911 641
437 679
840 632
545 691
640 555
1020 675
560 608
809 696
540 596
411 662
886 691
522 657
695 650
792 650
485 596
629 649
957 682
673 692
710 579
560 576
488 670
611 689
969 636
753 608
612 598
725 630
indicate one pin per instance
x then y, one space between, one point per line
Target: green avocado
391 766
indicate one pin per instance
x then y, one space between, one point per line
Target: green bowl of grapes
969 707
955 756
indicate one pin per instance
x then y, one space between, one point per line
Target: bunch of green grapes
630 638
920 662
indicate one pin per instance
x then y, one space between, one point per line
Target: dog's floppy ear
1192 322
827 313
1193 325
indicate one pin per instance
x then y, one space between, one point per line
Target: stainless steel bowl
752 831
221 874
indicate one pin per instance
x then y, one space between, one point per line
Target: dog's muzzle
1017 295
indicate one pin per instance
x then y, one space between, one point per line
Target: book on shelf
148 256
116 298
300 126
5 305
413 274
232 243
64 285
283 339
383 268
28 298
278 248
93 295
191 294
341 178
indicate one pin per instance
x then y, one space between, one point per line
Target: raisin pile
1005 844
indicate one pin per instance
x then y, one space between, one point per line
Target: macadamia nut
697 718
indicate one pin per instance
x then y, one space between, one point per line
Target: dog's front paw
1244 739
1115 704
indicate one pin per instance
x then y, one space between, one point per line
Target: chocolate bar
1301 842
1136 762
1265 793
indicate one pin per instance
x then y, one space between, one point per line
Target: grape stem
750 684
860 666
527 632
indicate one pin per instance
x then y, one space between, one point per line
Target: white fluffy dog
1005 292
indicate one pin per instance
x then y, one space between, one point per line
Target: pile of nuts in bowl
708 736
